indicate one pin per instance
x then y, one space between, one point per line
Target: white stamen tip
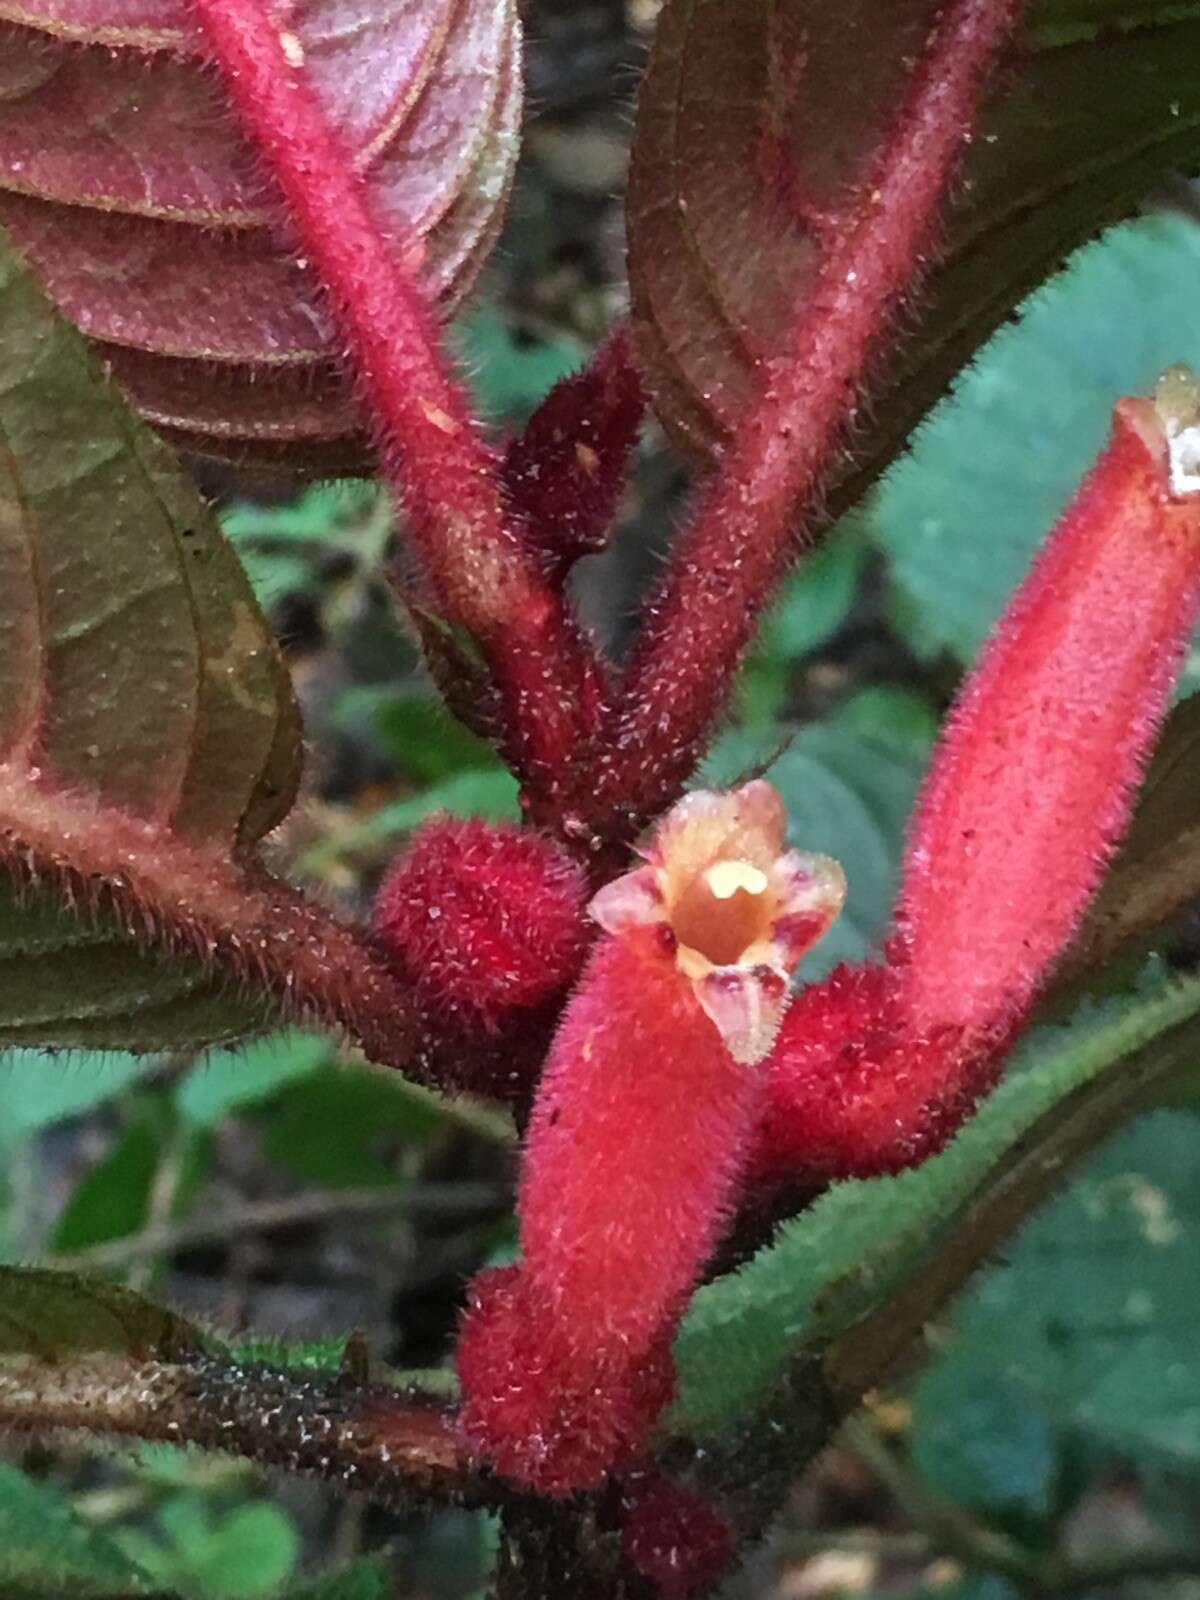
725 878
1177 400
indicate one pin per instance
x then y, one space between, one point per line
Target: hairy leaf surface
850 1283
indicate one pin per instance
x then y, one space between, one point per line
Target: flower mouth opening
742 909
722 911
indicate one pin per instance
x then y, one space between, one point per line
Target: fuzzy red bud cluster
487 924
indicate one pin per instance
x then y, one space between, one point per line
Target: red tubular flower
647 1106
638 1137
1029 794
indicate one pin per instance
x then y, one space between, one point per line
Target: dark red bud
565 474
677 1536
486 921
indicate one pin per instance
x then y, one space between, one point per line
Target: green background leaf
47 1552
1093 1316
365 1580
228 1080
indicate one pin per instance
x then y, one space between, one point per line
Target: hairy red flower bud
675 1535
1030 791
566 471
484 920
853 1091
639 1133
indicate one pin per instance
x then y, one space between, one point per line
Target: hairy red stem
483 578
744 534
196 900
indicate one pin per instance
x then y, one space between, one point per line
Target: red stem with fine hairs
197 900
725 564
483 578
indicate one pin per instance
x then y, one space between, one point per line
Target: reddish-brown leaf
125 180
148 739
757 125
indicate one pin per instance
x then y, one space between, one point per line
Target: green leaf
1094 1314
961 516
511 374
341 1129
55 1315
284 547
248 1554
74 981
365 1580
113 1198
228 1080
327 515
413 728
36 1090
849 786
485 792
139 685
46 1552
869 1262
981 1440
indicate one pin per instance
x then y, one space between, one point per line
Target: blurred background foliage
289 1189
